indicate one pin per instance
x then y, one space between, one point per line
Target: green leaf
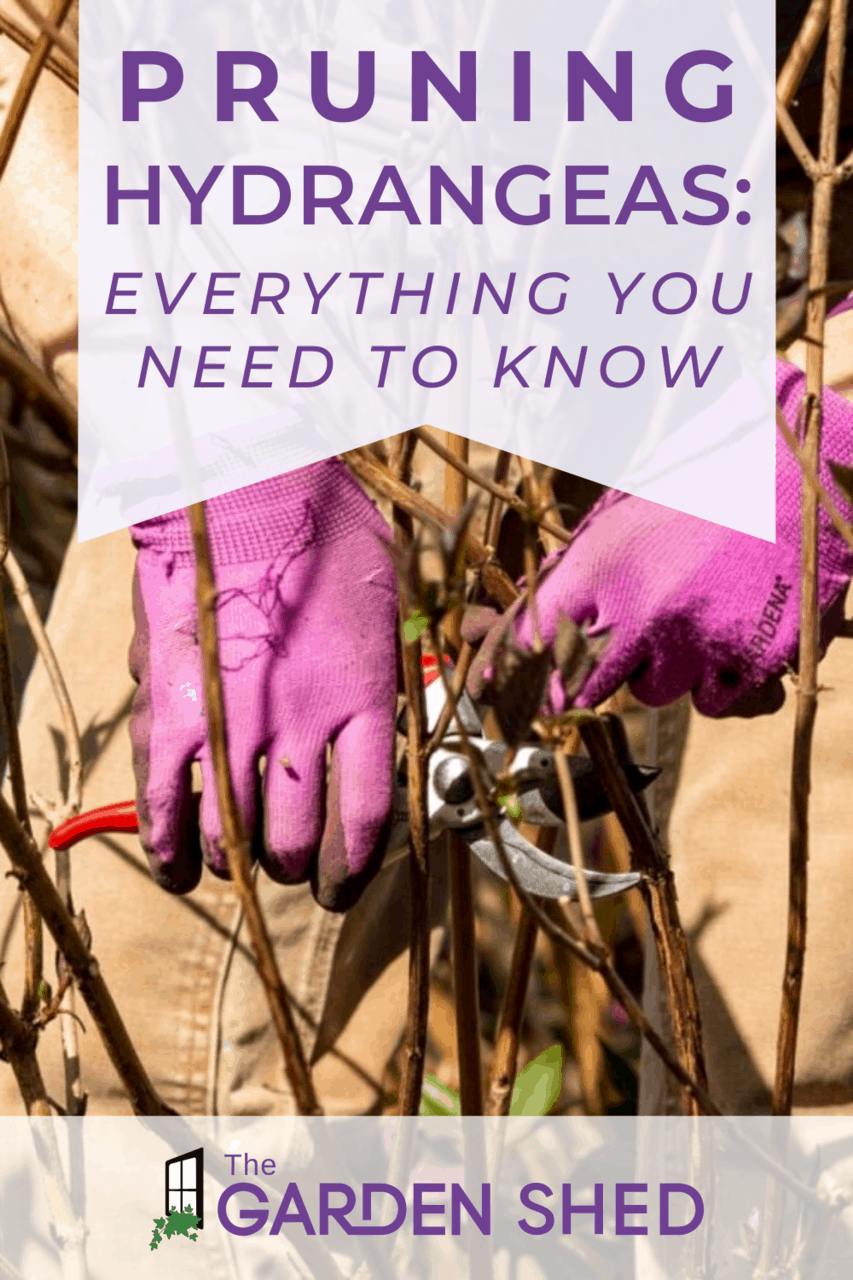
538 1085
437 1099
429 1107
180 1223
512 805
414 626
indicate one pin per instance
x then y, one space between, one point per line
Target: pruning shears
452 804
534 799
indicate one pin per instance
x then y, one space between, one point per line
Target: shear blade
538 872
592 799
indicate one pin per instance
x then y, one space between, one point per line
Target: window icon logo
184 1201
185 1184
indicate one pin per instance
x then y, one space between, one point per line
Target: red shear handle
429 663
110 817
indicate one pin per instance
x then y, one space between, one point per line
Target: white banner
549 228
658 1198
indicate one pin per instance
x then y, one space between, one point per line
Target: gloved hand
306 614
692 606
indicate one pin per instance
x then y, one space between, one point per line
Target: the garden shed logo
184 1199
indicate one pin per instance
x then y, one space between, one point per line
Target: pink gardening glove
306 615
691 606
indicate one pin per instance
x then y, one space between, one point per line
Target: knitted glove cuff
312 506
